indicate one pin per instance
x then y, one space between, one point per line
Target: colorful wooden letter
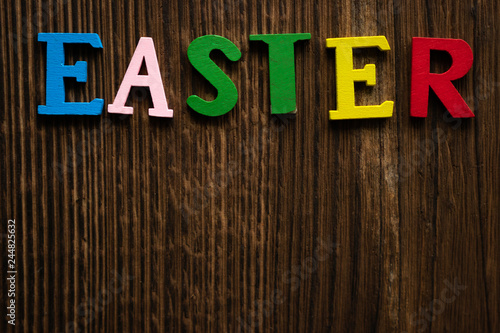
56 72
422 79
199 55
282 69
346 76
145 51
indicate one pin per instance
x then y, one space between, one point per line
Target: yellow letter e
346 76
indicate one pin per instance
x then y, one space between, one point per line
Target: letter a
145 51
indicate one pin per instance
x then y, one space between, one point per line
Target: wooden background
247 221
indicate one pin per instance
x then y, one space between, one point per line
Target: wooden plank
250 221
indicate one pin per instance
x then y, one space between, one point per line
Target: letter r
422 79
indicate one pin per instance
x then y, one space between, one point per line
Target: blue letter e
57 71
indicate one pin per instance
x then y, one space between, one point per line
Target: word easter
281 75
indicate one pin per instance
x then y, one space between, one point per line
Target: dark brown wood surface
248 221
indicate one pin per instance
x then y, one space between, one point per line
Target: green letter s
199 55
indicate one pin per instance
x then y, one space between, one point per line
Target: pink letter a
145 50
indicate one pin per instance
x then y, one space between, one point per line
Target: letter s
199 56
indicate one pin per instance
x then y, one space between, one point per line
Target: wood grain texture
139 224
